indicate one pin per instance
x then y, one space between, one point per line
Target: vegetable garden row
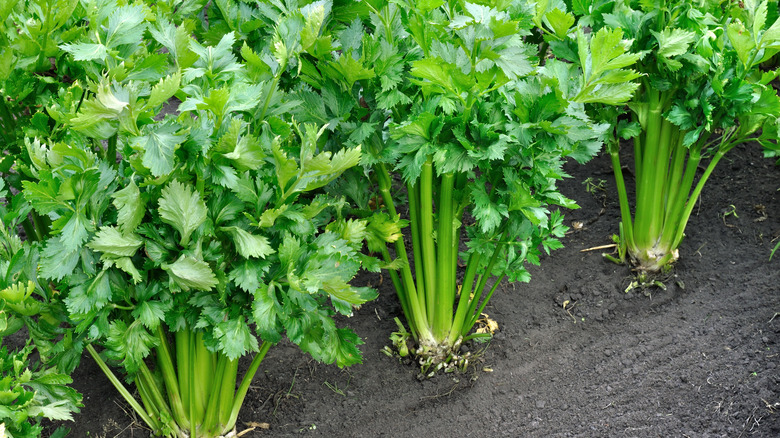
312 140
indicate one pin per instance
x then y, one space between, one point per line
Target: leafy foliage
701 93
452 98
206 225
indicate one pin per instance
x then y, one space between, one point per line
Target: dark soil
699 359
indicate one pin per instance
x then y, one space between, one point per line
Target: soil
699 359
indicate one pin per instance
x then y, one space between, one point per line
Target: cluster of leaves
460 86
207 222
705 58
457 88
702 74
28 395
29 391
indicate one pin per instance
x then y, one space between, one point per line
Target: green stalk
482 282
676 169
408 292
151 409
637 154
694 196
676 208
9 122
273 85
243 387
414 220
402 296
202 378
154 425
445 294
645 185
146 379
111 150
29 230
426 237
165 363
211 419
182 339
227 392
465 296
659 189
478 312
625 211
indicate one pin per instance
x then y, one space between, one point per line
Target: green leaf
246 275
741 40
110 240
235 338
150 313
126 264
190 273
158 146
772 35
344 347
560 22
286 168
603 59
164 90
325 167
60 410
57 262
74 233
130 206
182 208
126 25
265 314
44 196
247 154
608 51
86 51
673 42
349 70
314 14
250 245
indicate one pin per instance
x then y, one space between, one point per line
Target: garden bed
698 359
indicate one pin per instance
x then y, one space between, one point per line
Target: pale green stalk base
439 318
665 193
198 398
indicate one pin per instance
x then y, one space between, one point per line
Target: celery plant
701 94
450 98
205 238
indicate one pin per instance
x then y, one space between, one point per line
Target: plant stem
465 297
183 368
695 196
645 185
9 122
470 313
414 221
165 363
406 294
213 391
478 312
111 150
426 238
625 212
243 387
122 390
227 392
445 293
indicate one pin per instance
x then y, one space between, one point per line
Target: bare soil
699 359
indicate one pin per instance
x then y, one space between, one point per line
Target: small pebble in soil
540 404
